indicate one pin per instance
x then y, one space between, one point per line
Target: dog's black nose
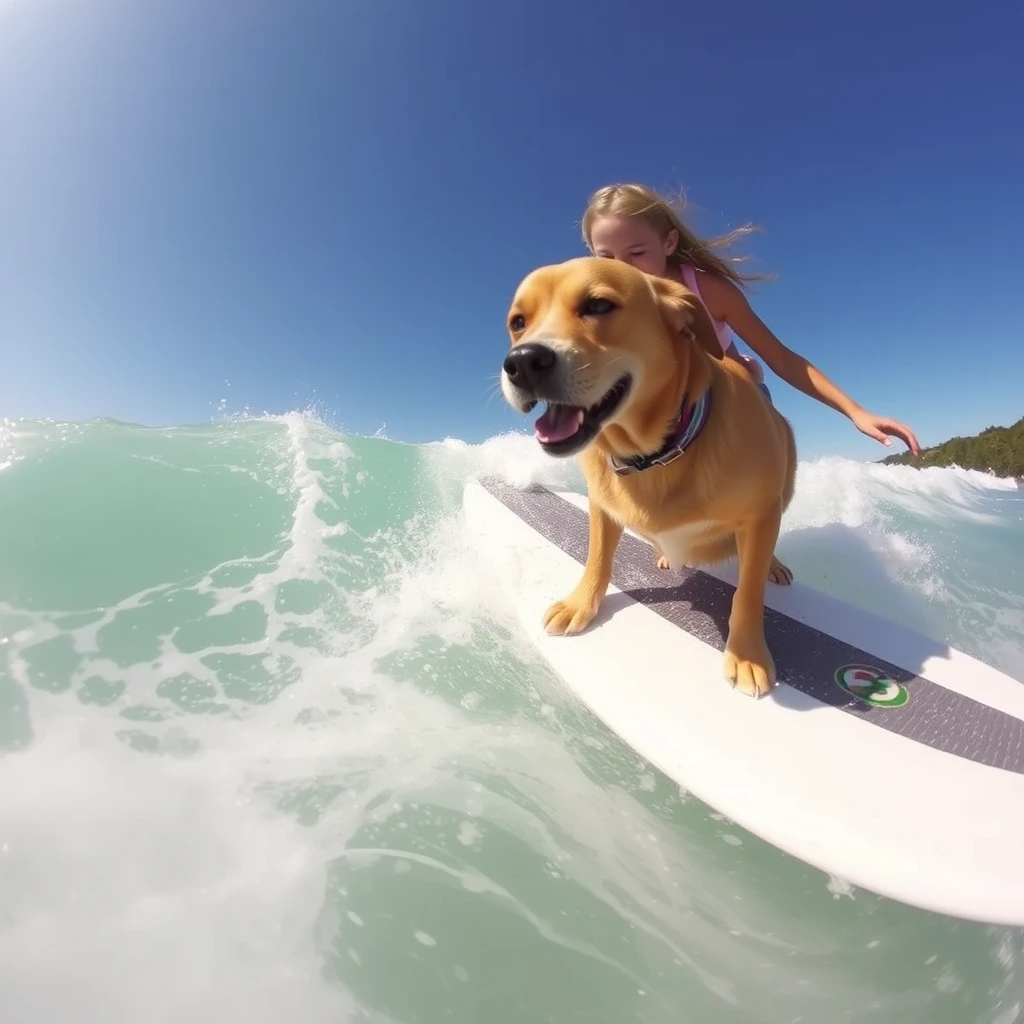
529 365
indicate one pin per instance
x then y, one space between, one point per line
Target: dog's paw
662 562
780 573
564 617
749 667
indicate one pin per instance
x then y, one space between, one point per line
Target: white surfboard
882 757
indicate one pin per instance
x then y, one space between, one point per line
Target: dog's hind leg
778 573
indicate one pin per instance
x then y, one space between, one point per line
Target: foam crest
841 490
21 438
303 444
514 457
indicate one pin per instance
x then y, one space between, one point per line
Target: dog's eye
517 323
596 307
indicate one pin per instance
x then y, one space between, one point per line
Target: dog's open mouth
565 429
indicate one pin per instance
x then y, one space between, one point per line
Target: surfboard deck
885 758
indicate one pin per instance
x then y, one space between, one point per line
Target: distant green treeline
999 450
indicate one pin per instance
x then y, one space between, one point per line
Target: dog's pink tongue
557 423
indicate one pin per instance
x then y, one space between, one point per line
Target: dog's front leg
577 611
749 665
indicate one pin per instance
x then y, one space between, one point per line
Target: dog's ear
684 314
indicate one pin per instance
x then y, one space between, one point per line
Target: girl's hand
880 427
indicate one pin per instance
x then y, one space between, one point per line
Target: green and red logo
872 686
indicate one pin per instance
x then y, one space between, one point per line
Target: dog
675 441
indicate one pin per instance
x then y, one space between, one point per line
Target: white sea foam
349 846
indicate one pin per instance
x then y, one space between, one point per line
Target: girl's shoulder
718 292
696 277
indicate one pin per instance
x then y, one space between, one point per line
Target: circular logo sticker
872 686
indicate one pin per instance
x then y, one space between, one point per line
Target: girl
634 224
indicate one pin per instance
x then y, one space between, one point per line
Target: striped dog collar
692 417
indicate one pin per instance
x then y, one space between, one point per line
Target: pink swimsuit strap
721 327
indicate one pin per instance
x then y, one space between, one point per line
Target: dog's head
608 348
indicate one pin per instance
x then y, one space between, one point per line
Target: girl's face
632 240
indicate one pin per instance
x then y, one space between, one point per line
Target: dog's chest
678 544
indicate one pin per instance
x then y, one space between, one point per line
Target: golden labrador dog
675 441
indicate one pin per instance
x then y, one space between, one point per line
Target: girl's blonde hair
640 201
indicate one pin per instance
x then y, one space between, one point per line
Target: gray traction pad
805 658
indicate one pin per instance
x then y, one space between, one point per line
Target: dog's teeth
579 417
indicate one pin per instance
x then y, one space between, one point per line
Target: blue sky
320 203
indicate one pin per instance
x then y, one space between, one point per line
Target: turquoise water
271 750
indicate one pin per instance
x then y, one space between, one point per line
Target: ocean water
272 749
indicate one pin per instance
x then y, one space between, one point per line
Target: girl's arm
726 302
